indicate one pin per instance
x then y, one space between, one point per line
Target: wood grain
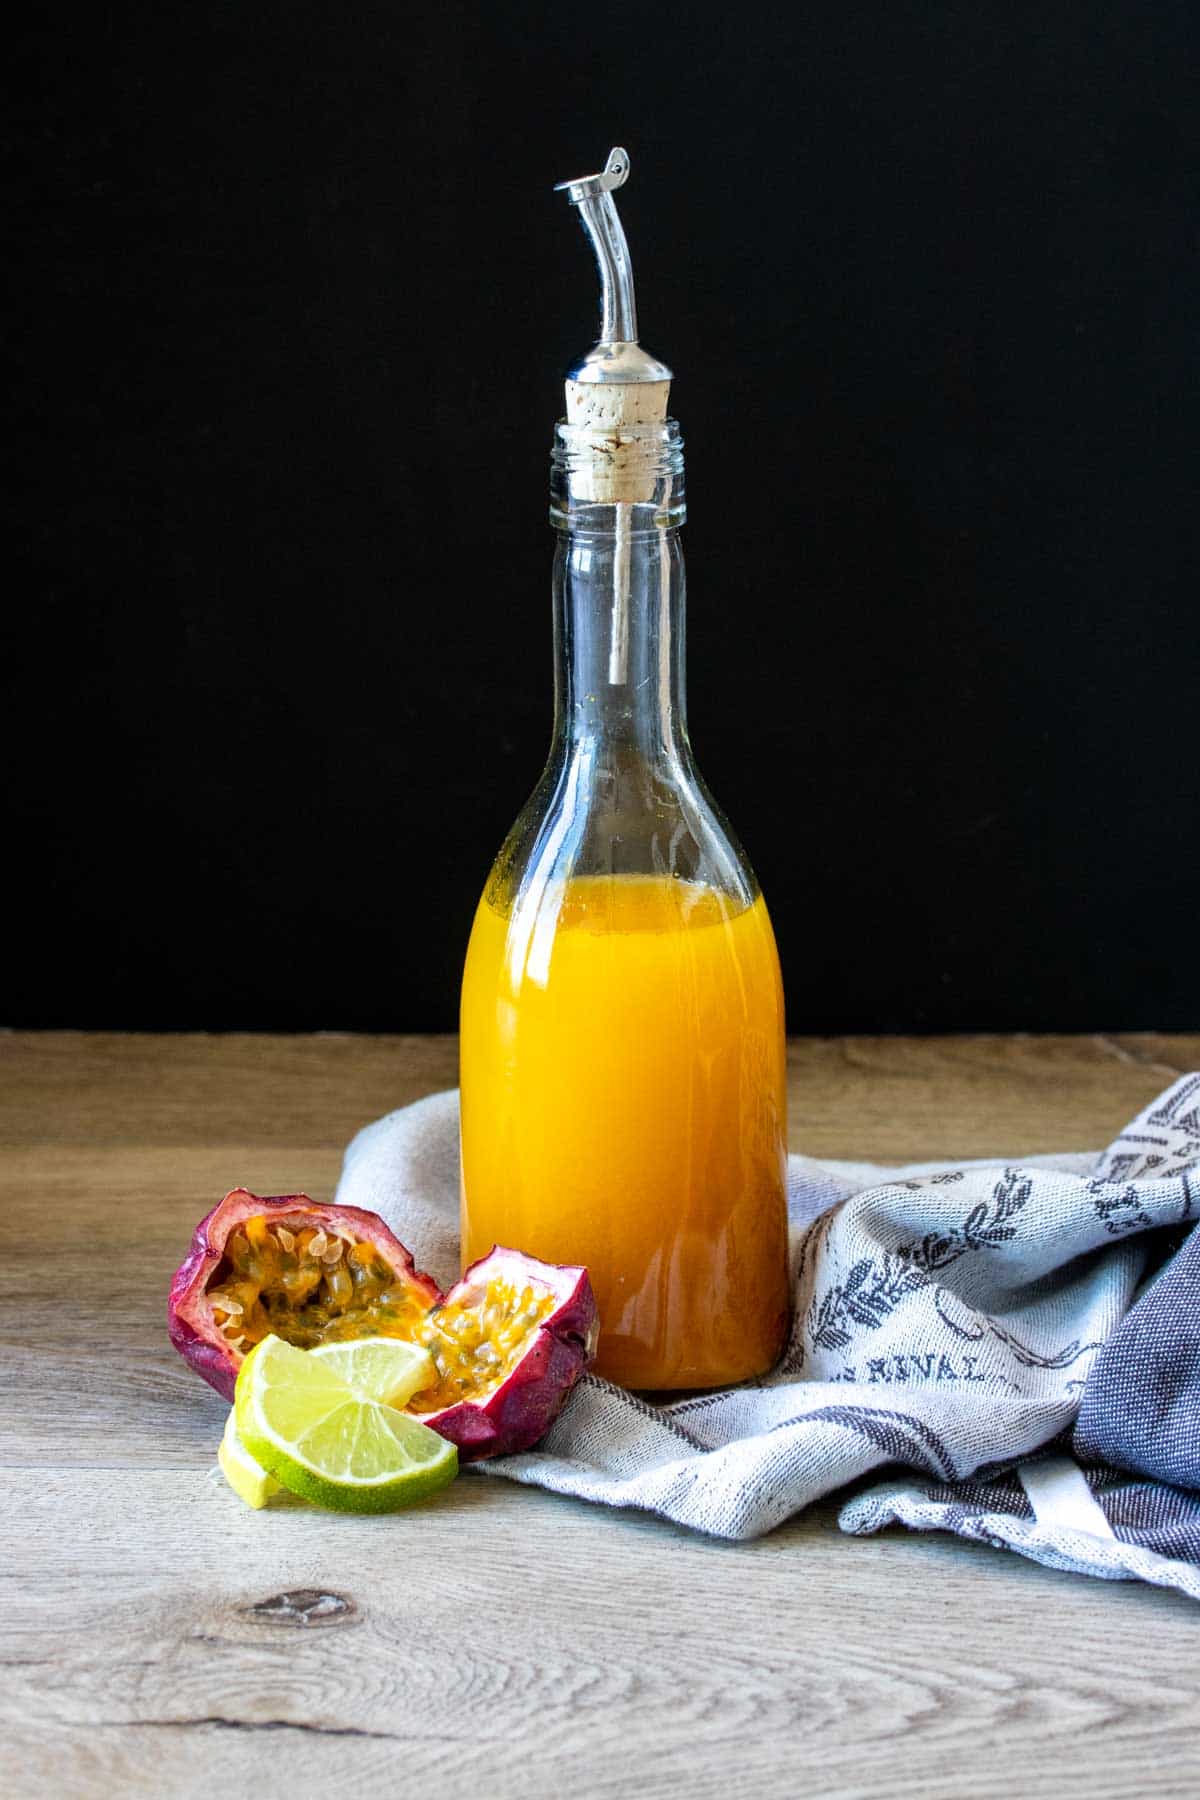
872 1099
158 1639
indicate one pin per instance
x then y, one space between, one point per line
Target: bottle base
649 1381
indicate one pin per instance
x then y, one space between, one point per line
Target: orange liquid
624 1106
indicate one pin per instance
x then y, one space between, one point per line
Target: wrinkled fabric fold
950 1319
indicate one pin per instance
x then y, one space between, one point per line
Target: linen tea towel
947 1319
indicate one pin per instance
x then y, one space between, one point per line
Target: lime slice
248 1479
380 1368
329 1443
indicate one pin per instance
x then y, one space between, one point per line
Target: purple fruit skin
211 1358
511 1419
214 1362
524 1406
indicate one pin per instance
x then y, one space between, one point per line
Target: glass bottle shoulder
603 812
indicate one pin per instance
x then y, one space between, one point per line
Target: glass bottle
622 1041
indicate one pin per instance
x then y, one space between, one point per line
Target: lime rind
323 1440
248 1479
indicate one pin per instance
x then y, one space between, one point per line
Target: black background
292 303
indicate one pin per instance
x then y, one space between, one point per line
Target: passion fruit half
509 1341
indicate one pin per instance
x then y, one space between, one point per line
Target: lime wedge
327 1442
248 1479
380 1368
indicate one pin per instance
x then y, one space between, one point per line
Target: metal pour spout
616 358
616 394
593 195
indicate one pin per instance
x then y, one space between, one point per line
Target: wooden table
157 1638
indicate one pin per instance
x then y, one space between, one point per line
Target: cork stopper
617 386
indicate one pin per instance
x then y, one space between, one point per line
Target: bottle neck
619 636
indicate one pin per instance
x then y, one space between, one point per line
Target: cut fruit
248 1479
507 1342
384 1369
310 1274
324 1441
510 1340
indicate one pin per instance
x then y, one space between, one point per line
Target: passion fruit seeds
508 1341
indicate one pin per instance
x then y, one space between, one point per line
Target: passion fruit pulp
508 1341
